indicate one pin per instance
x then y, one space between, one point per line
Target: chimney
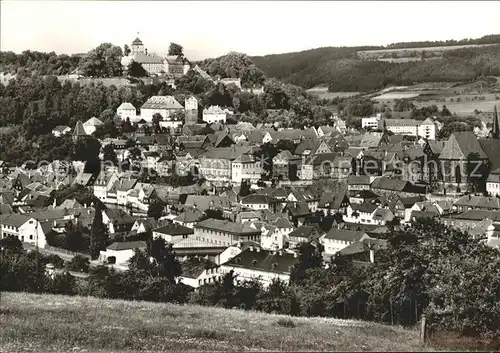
54 204
251 247
372 256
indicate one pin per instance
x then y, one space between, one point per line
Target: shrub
286 323
79 263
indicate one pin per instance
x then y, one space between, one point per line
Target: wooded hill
342 70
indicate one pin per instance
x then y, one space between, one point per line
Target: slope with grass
42 323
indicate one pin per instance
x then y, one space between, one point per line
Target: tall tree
109 154
164 257
156 122
135 69
126 50
98 234
175 49
310 257
155 209
103 61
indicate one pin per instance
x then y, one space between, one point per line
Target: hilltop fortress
174 66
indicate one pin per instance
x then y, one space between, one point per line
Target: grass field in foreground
52 323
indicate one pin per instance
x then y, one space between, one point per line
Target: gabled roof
298 209
366 207
14 219
460 145
282 223
264 260
137 41
127 245
126 106
230 153
258 199
60 128
204 202
386 183
331 200
174 229
285 155
358 180
305 231
479 202
213 109
193 268
162 102
345 235
491 148
494 176
478 215
175 59
227 227
436 146
79 130
147 59
93 122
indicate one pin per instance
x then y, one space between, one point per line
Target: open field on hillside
412 54
462 107
322 93
461 99
43 323
444 48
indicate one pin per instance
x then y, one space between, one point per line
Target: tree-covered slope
342 69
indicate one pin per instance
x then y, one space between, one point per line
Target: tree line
343 71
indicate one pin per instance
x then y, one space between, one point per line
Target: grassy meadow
52 323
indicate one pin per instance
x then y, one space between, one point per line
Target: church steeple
495 132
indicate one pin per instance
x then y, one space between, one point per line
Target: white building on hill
163 105
126 110
90 126
214 114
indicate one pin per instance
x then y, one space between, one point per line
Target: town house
215 164
261 265
246 167
338 239
224 232
163 105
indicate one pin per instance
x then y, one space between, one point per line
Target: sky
210 29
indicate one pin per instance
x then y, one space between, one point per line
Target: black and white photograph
283 176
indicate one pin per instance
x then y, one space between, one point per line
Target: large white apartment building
411 127
371 122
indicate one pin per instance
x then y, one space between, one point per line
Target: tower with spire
137 46
495 131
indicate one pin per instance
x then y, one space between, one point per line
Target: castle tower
137 47
495 131
191 109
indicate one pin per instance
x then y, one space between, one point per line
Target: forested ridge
342 70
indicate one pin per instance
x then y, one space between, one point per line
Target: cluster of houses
250 208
